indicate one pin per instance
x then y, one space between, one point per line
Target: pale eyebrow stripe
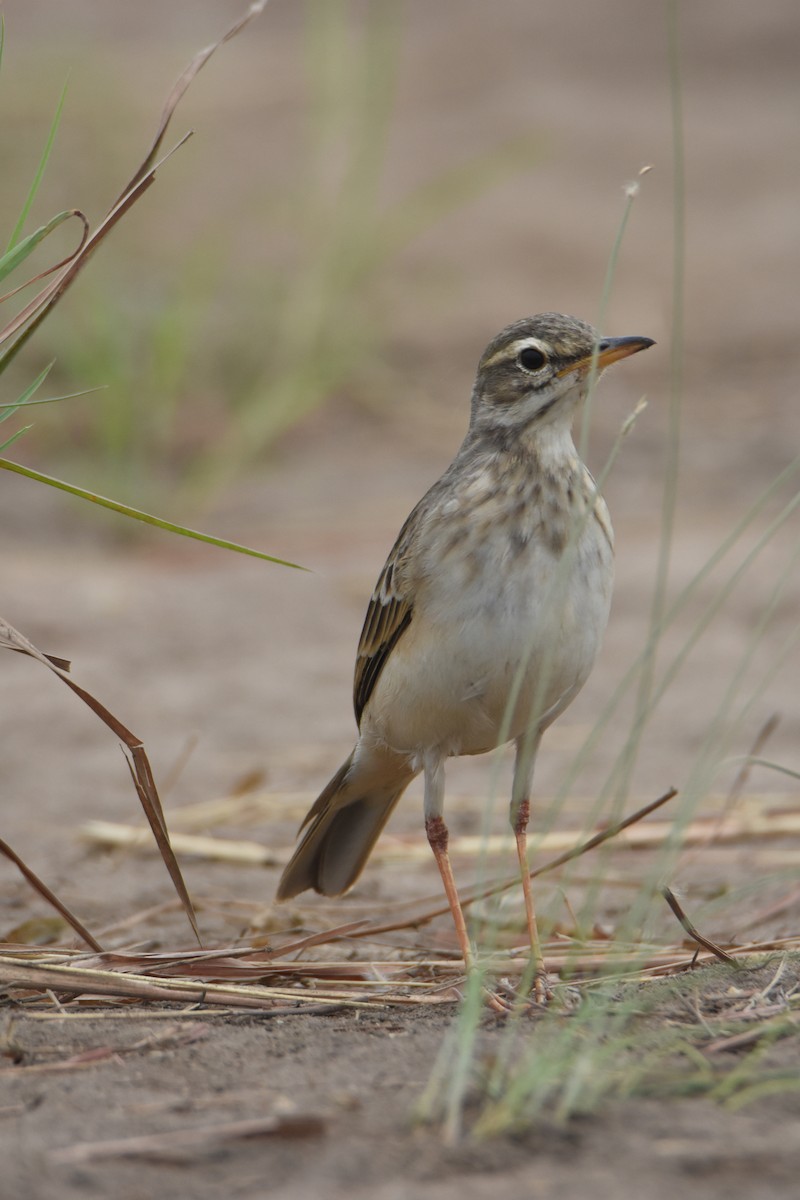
512 349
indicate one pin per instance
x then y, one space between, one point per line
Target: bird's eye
531 359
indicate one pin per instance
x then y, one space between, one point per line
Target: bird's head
538 370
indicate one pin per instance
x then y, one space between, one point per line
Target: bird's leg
520 815
438 837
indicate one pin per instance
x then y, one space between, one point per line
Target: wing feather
388 616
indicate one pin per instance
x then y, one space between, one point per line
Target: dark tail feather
340 836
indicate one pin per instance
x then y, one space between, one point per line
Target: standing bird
487 617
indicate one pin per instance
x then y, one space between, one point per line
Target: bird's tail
343 826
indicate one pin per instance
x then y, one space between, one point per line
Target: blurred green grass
214 323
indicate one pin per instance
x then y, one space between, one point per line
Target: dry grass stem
138 765
22 326
212 849
39 886
189 1143
701 940
761 817
169 1038
192 978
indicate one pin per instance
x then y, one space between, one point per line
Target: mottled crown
567 338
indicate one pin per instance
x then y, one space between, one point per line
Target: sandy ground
251 664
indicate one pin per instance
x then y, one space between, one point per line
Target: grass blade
138 764
13 257
10 441
137 515
8 410
37 179
39 886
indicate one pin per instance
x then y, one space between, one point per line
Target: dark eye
531 359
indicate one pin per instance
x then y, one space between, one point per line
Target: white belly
489 656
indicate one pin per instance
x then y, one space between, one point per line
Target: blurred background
374 189
286 329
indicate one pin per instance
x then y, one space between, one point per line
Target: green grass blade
137 515
772 766
673 446
14 436
10 409
20 250
631 193
37 179
44 400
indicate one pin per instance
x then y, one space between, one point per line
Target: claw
497 1003
542 989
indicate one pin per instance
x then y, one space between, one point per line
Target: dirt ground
249 666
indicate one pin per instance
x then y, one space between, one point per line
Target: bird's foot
497 1003
519 1000
505 996
505 999
542 988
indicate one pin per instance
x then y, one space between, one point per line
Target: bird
486 619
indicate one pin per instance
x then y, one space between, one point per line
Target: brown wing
388 616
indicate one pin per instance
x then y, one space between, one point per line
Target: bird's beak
609 350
